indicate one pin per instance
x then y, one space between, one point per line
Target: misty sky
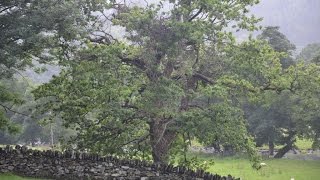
299 20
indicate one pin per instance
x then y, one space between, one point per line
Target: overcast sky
299 20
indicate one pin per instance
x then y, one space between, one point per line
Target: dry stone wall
81 166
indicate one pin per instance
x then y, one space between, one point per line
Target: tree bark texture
289 145
271 148
161 139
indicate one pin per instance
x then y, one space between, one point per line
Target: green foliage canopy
175 72
36 31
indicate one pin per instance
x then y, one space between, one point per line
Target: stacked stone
77 165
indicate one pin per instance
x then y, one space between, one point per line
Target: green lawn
282 169
276 169
12 177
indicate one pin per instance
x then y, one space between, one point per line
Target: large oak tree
177 72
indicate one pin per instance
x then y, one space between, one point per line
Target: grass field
12 177
276 169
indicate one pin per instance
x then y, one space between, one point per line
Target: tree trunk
216 147
161 139
271 148
316 140
287 147
161 136
283 150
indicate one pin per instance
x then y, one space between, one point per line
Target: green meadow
275 169
13 177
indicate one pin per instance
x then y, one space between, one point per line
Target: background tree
268 117
280 43
27 128
310 53
36 31
275 119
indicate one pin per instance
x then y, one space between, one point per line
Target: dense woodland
143 80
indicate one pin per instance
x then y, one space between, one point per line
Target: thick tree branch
100 40
165 124
195 15
7 8
135 62
277 89
6 108
168 69
195 106
197 57
127 105
108 40
203 78
136 140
